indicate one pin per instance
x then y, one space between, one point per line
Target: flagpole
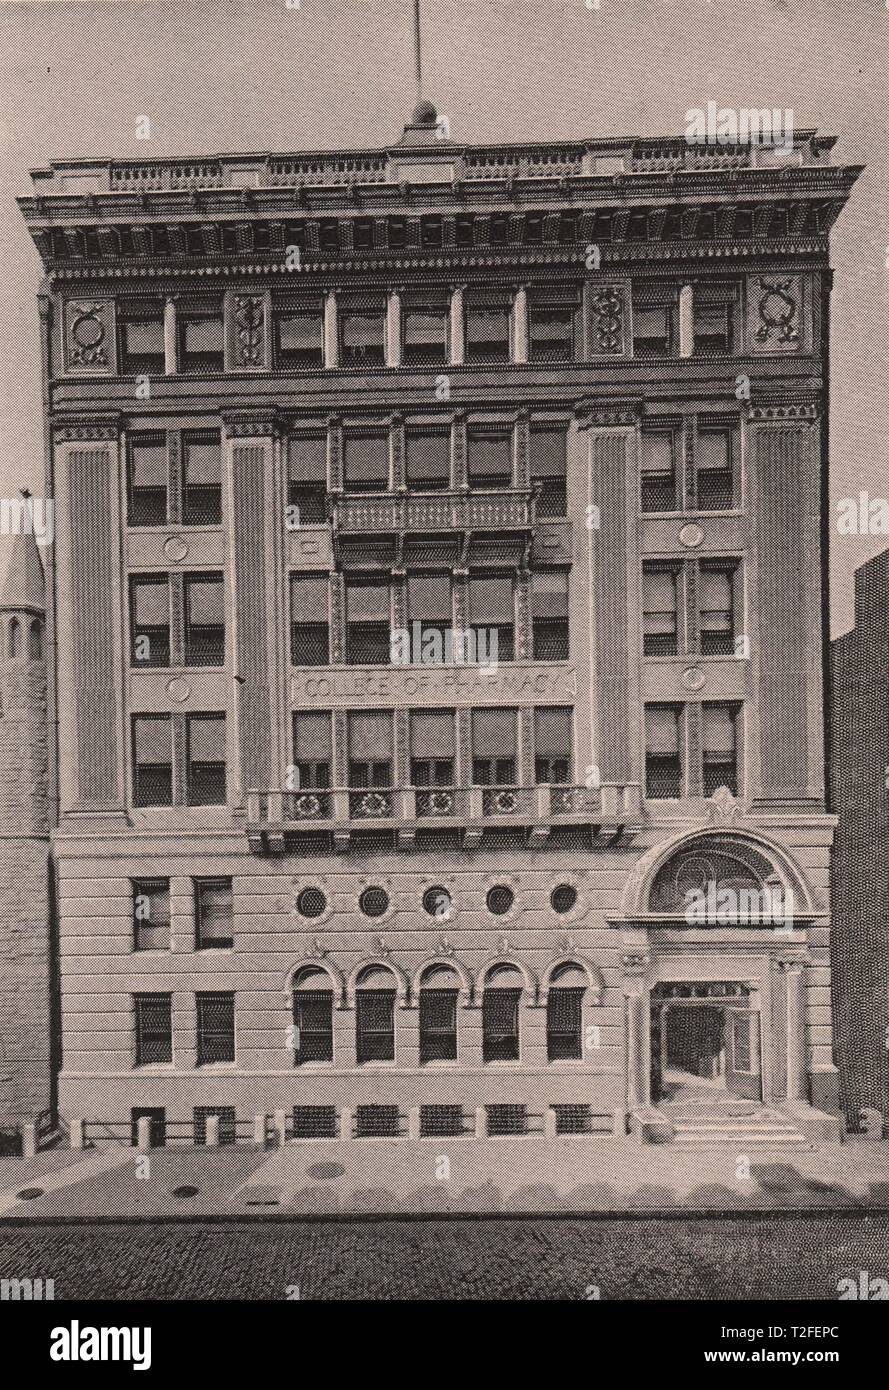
418 67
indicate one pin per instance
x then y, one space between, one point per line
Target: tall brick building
859 780
437 617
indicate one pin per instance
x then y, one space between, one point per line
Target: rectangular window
553 745
715 463
363 333
151 914
427 459
489 454
500 1025
215 1028
424 330
552 324
213 914
663 759
488 317
204 620
658 469
492 616
312 750
429 603
141 337
368 620
147 481
654 328
549 615
494 747
564 1013
366 460
315 1122
307 479
719 747
152 760
375 1025
438 1025
154 1028
313 1020
433 750
309 620
507 1119
714 313
716 604
150 620
370 749
201 340
205 735
377 1121
201 480
659 610
548 468
298 339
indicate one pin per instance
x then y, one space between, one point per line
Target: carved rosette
89 335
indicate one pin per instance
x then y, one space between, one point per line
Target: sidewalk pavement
529 1174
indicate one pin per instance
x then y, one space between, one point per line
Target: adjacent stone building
859 722
437 617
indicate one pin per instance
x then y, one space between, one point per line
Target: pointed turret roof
24 585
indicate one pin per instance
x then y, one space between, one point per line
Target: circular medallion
178 690
691 535
87 330
175 548
693 678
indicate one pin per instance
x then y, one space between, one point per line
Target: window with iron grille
154 1028
438 1025
663 754
377 1122
564 1014
201 480
150 620
313 1020
140 332
548 469
443 1120
427 459
368 620
549 615
227 1123
314 1122
201 340
500 1025
553 738
507 1119
375 1025
298 335
573 1119
151 914
152 760
204 620
206 771
659 609
147 480
213 914
215 1028
719 747
659 451
307 478
309 620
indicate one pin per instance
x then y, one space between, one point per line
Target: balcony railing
273 814
510 509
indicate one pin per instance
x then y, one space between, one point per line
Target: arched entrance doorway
705 1042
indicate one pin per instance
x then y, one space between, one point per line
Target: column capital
607 414
252 424
91 428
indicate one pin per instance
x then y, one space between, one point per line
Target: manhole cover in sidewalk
28 1192
186 1190
325 1170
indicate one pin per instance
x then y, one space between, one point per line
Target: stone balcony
611 810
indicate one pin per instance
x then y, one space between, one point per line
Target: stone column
686 321
458 327
794 971
170 354
393 329
520 325
635 965
331 331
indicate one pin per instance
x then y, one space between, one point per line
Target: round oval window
374 902
563 898
437 902
500 900
311 902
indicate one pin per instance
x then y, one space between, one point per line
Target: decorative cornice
801 413
253 424
607 414
86 428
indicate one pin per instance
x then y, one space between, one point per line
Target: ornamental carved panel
248 332
777 313
607 320
89 337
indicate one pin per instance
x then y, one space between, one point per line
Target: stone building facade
859 779
312 419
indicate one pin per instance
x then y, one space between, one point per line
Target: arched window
501 998
439 991
14 639
35 640
564 1013
375 1015
312 1016
718 880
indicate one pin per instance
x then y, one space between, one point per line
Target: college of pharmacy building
435 634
